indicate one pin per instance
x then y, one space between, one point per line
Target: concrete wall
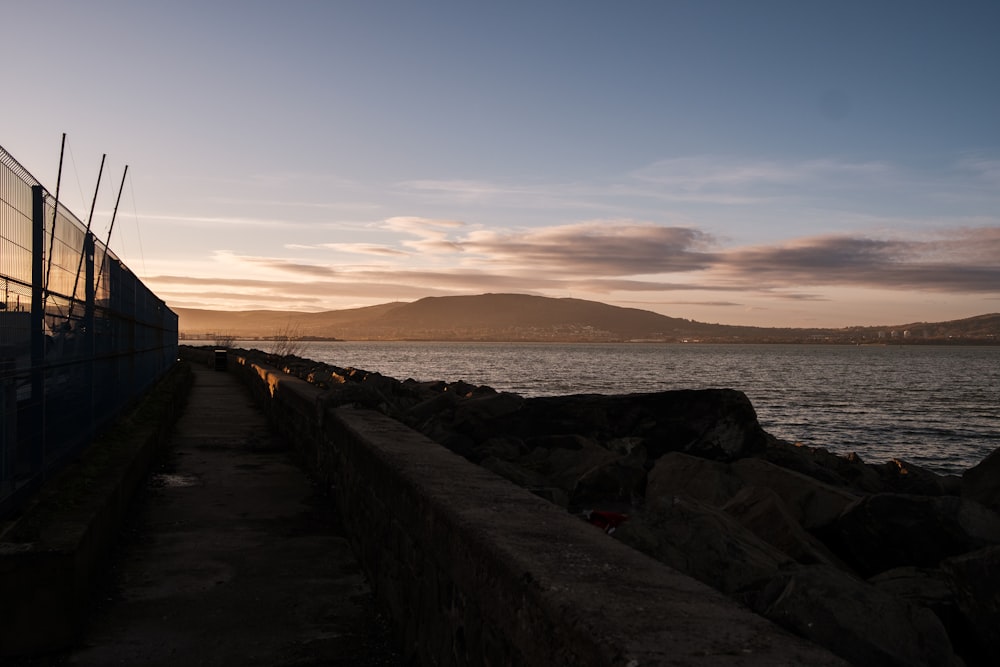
476 571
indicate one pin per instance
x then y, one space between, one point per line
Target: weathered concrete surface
235 560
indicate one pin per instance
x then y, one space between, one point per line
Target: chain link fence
81 338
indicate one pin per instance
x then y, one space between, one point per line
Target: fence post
89 341
37 453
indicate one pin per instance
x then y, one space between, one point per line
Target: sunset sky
774 163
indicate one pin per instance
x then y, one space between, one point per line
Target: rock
848 471
619 482
461 388
760 510
703 542
625 445
927 587
982 482
476 415
420 416
714 423
853 619
935 590
889 530
425 387
812 503
901 476
976 578
563 460
356 395
325 377
502 447
677 474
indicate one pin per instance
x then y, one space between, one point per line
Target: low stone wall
475 570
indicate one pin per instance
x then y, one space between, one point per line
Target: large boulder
889 530
478 413
816 462
620 482
936 590
703 542
976 578
763 512
904 477
715 423
427 414
677 474
812 503
564 459
982 481
853 619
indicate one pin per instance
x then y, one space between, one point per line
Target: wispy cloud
594 248
463 189
364 249
623 257
985 170
432 235
963 261
720 180
220 220
716 172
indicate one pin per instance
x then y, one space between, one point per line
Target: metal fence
80 336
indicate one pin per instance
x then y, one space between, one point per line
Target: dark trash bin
220 360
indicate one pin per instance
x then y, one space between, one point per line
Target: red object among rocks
606 521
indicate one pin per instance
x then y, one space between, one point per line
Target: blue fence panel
81 337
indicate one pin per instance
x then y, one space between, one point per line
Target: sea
934 406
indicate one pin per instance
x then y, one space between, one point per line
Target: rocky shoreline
883 564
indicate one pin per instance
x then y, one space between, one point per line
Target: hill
520 317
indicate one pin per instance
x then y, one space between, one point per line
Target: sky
768 163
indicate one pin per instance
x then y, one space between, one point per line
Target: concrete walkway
233 558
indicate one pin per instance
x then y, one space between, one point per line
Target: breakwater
476 570
835 549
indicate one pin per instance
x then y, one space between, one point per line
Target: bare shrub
225 340
286 342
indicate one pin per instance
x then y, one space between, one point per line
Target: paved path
233 558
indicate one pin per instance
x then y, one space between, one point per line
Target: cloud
366 249
594 249
462 189
731 180
963 261
202 220
594 258
412 224
985 170
720 180
290 266
607 285
432 234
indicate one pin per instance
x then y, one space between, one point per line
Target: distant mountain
520 317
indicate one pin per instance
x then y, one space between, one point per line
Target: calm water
934 406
